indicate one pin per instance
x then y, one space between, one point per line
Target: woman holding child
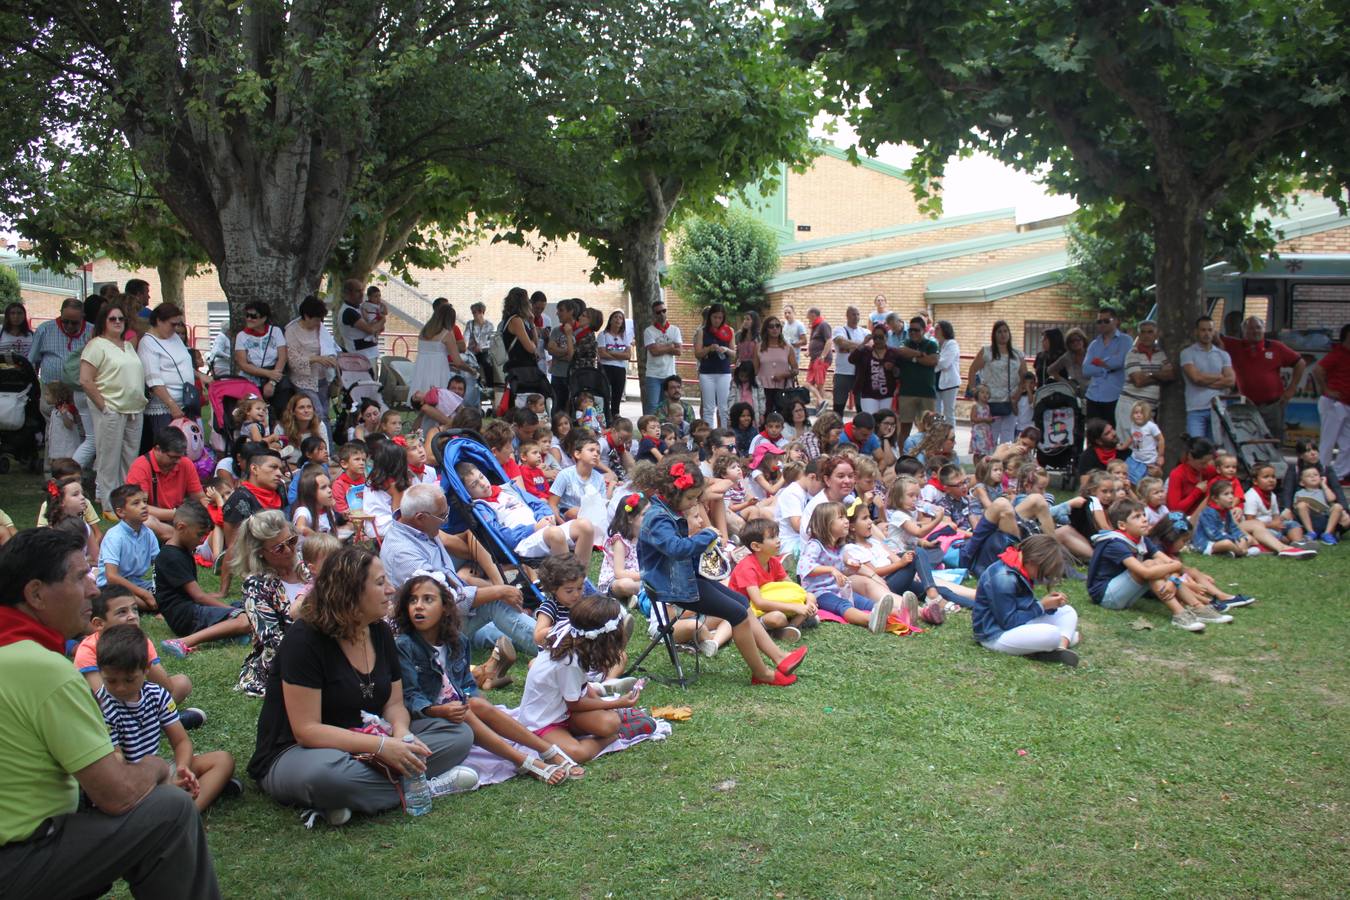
337 667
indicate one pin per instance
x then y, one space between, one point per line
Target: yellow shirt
119 374
50 728
90 517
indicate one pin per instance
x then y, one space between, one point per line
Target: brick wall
1337 240
836 197
795 261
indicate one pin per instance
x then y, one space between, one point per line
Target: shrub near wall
725 260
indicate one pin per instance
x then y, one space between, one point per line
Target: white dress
431 368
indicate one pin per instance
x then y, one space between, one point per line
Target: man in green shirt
53 742
917 392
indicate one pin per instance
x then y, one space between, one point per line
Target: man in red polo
168 478
1257 362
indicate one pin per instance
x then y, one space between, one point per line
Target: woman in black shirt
335 663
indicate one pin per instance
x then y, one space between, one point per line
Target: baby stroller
592 381
1241 431
455 446
395 373
20 417
224 395
1057 414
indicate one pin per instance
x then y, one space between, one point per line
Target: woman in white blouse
948 370
168 368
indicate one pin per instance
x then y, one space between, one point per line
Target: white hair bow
562 629
438 577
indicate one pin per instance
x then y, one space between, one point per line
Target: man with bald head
1257 362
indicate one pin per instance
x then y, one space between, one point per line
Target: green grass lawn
1211 764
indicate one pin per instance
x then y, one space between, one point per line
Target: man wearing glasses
1104 366
918 377
662 340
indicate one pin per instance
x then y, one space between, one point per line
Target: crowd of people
771 510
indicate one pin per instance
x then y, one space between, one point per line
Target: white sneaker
881 611
1207 613
708 647
1187 621
454 781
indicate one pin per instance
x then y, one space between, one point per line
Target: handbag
191 399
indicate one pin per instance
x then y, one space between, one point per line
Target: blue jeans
918 577
833 603
1198 422
507 620
651 394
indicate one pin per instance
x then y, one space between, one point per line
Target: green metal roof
997 282
865 162
907 258
877 234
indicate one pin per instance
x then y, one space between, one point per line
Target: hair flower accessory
683 479
438 577
630 503
400 440
52 490
1179 522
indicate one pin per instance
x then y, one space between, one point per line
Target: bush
725 260
9 287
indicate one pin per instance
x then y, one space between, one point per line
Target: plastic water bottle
416 791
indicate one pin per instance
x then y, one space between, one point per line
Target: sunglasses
115 319
288 544
252 315
1103 321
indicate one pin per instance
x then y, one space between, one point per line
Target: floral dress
981 435
607 567
268 612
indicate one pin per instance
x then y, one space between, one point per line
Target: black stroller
1242 432
459 445
21 424
1059 416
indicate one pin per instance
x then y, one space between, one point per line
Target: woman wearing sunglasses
260 351
113 378
275 580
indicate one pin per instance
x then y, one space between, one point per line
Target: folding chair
665 634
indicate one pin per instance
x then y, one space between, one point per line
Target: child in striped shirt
136 711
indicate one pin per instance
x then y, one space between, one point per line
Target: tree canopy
1176 110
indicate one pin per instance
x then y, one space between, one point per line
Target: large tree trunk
642 281
1179 266
172 277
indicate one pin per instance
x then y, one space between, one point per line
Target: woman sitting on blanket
434 658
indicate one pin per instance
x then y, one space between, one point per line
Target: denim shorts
205 616
836 604
1123 592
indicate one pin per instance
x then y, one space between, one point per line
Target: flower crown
559 632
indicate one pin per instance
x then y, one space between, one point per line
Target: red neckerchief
1138 544
539 321
1212 505
1266 497
582 332
722 333
662 328
1149 351
1012 558
765 435
268 499
848 430
1104 454
17 626
609 436
419 471
70 338
494 491
816 322
936 482
263 333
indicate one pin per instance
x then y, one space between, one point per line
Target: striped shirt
135 729
51 346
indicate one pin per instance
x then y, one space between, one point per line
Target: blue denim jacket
667 556
421 668
1003 600
1215 525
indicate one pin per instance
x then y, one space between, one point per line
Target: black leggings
717 600
618 380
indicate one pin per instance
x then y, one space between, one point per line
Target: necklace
367 681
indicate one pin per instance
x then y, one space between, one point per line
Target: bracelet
380 749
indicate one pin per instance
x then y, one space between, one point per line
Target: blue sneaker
192 718
1311 537
1234 603
1330 539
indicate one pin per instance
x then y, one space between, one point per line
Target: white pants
1039 635
872 406
946 403
714 399
1335 417
84 454
1005 429
118 439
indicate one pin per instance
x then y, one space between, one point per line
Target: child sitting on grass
71 509
650 446
1126 566
127 554
1007 617
1262 504
1315 504
1171 535
1216 531
193 614
137 712
619 575
434 659
560 705
115 606
761 568
1153 494
824 572
526 524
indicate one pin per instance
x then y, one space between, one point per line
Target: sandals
556 755
551 774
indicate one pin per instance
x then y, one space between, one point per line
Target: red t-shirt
1182 494
167 490
1257 364
749 572
341 485
1336 367
535 482
512 469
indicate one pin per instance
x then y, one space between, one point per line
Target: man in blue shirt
1104 366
